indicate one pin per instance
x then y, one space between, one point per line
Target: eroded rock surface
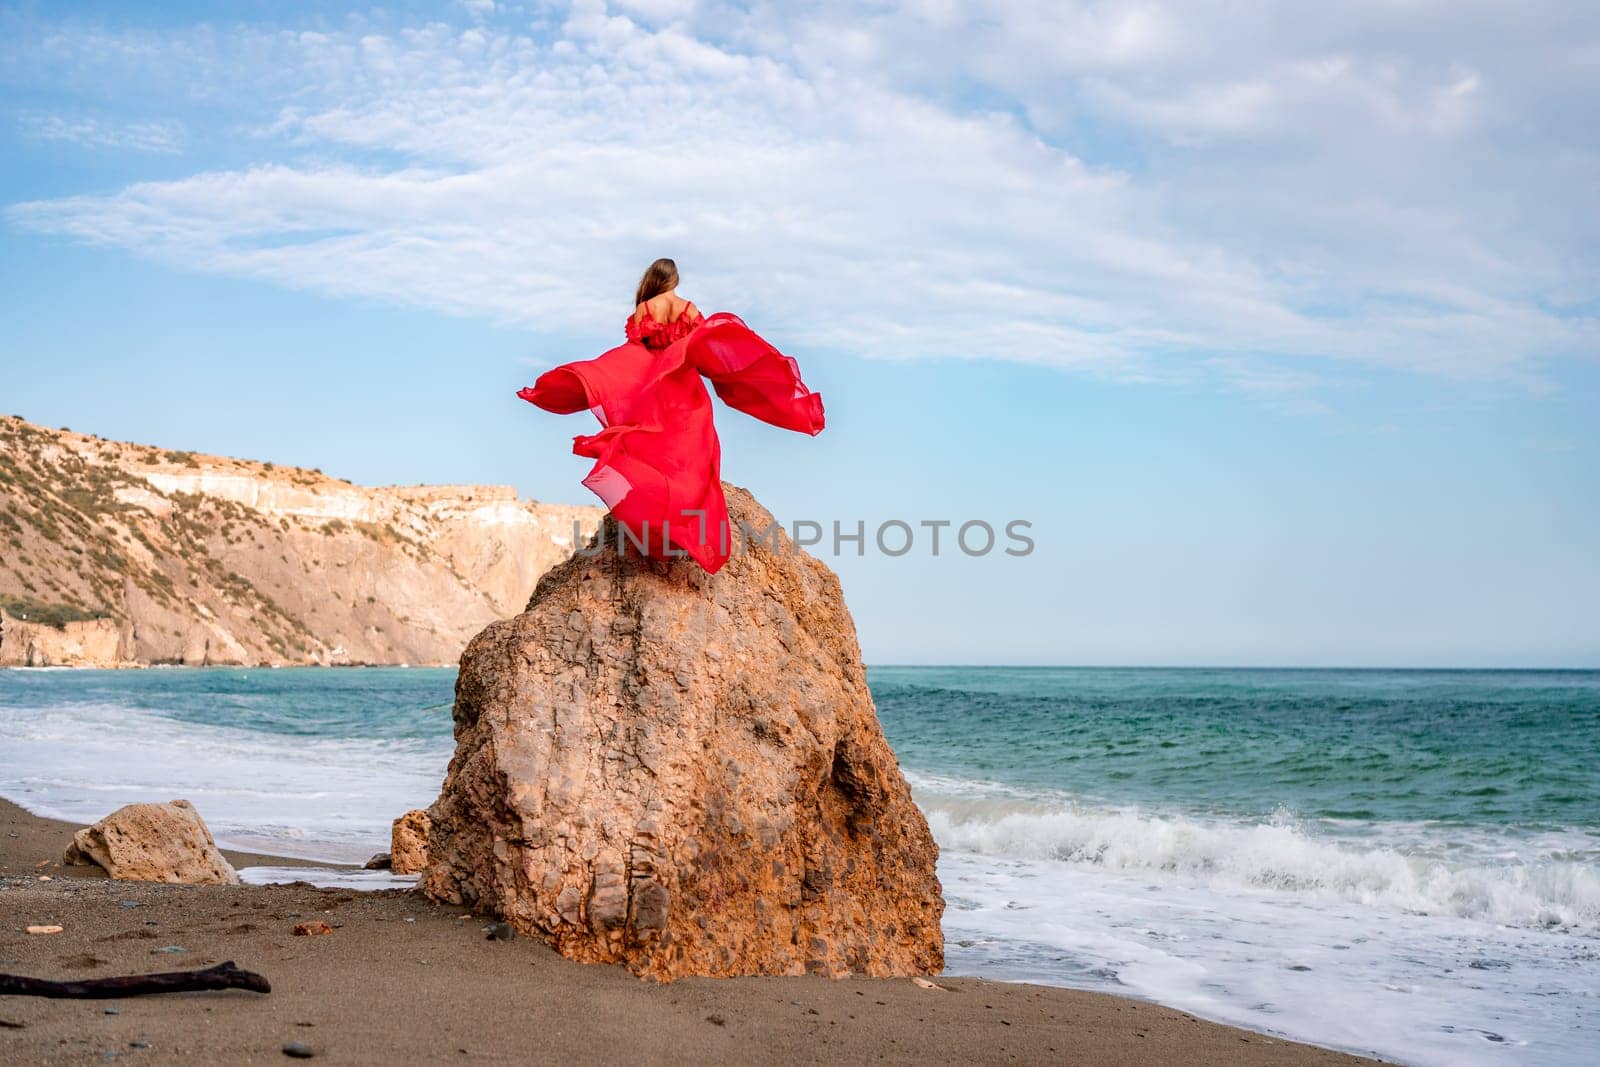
408 843
684 773
153 843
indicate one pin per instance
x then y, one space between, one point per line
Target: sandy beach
403 979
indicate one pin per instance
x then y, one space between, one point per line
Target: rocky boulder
684 773
408 843
153 843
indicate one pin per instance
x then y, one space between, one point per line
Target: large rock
153 843
684 773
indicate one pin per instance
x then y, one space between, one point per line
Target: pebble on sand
52 929
312 929
298 1050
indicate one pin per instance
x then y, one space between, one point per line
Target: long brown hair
661 276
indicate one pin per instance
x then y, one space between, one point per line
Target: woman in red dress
658 465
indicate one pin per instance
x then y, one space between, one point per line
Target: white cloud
658 11
1117 186
164 137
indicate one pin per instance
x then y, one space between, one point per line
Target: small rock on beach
153 843
408 843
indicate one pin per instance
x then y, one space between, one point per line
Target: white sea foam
1539 885
1415 942
306 797
328 878
1435 990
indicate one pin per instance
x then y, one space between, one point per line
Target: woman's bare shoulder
667 307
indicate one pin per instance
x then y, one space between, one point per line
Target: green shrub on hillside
54 615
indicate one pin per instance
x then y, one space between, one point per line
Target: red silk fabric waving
658 464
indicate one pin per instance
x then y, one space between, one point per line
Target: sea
1403 863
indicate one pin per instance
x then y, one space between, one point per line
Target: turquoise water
1502 748
388 703
1401 862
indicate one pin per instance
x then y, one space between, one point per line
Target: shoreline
402 977
162 665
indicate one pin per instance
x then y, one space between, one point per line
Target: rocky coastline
115 554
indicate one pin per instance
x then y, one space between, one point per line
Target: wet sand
404 980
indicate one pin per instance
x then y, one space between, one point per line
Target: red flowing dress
658 464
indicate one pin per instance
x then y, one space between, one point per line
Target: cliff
116 554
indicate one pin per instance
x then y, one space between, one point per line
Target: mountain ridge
121 554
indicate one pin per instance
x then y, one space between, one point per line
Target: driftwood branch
222 976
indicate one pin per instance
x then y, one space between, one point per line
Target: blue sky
1281 327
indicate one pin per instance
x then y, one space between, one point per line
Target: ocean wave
1280 854
322 798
